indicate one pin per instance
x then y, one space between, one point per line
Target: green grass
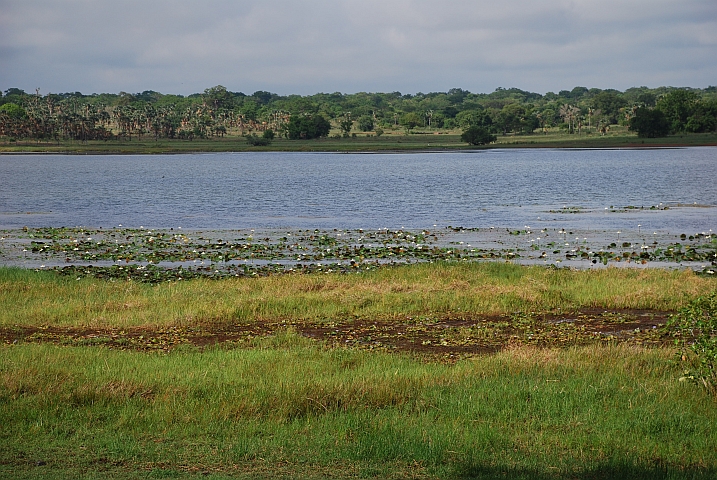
290 407
440 289
396 141
287 407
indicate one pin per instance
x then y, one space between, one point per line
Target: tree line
217 112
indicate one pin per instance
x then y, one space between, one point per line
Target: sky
311 46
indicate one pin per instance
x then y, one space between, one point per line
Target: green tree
411 120
609 103
703 118
649 123
365 123
346 124
218 97
678 106
474 118
305 127
476 135
515 117
13 110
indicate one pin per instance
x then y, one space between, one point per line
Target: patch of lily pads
158 255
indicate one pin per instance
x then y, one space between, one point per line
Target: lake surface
577 189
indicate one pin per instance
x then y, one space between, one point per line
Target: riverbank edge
146 148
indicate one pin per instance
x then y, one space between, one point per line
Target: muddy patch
448 337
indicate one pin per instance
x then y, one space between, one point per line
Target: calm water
501 188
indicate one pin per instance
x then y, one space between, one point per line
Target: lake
510 188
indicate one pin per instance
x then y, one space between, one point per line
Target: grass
395 141
295 409
283 405
440 289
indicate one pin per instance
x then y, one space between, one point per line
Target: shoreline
418 143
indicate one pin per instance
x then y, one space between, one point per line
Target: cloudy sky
311 46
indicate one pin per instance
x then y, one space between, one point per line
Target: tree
609 103
411 120
346 124
703 118
678 106
13 110
305 127
218 97
474 118
477 136
516 118
365 123
649 123
570 114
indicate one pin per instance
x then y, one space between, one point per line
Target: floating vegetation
567 209
151 255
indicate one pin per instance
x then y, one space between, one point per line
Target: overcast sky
311 46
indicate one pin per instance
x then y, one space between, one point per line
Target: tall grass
288 407
440 289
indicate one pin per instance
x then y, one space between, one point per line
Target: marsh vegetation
437 370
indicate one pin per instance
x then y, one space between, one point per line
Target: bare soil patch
448 337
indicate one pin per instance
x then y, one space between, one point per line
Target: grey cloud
184 46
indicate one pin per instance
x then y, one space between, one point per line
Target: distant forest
218 112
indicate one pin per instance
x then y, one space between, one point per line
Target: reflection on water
600 190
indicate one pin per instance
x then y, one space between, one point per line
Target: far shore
389 143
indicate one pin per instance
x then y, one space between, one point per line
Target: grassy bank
431 141
393 294
289 408
279 403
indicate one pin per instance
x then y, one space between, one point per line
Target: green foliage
217 112
609 103
13 110
647 98
305 127
678 106
518 118
268 134
649 123
411 120
703 118
473 118
346 125
365 123
696 328
257 141
477 136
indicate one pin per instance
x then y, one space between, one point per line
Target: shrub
305 127
477 136
256 141
695 329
